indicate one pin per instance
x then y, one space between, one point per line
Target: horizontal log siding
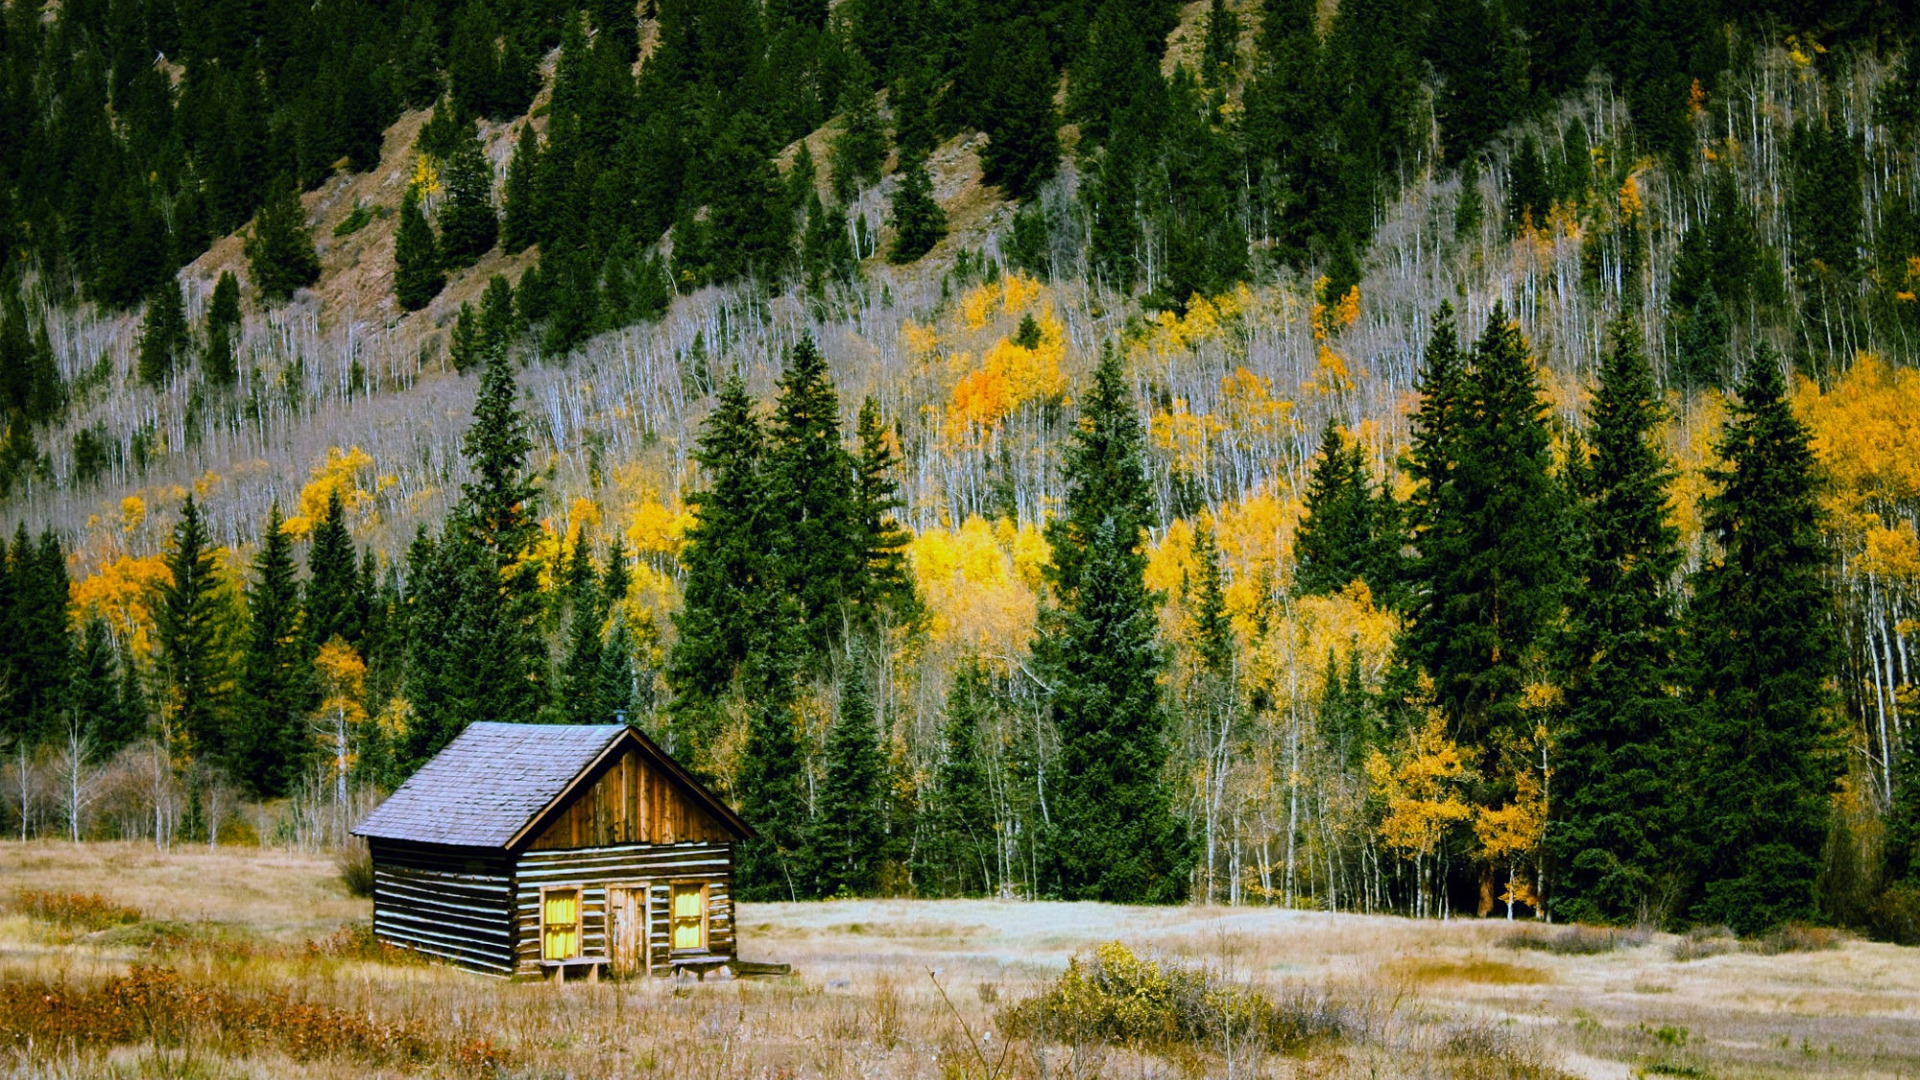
630 801
448 903
593 869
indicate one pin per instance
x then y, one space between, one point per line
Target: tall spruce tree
1114 836
469 227
1616 806
858 152
1335 543
819 547
336 600
885 586
189 626
849 825
279 250
580 697
267 753
1488 571
418 273
217 361
1023 147
918 221
960 854
164 337
1765 654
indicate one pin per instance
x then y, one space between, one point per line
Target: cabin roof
495 781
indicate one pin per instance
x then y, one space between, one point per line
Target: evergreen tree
164 337
849 826
819 545
1114 834
885 584
418 275
960 849
858 152
189 625
96 697
279 250
468 225
1765 753
336 602
915 134
1220 54
268 750
826 253
618 680
521 224
918 221
217 363
1023 147
580 687
1488 571
1335 545
1615 808
38 647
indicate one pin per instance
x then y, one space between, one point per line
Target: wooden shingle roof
493 782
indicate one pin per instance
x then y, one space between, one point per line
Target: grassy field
248 963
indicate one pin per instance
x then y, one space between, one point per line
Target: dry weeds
251 963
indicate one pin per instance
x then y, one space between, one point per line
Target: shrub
73 911
1114 996
1896 915
1704 941
355 863
1798 937
1577 940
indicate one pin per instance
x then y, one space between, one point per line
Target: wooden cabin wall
595 869
450 903
631 801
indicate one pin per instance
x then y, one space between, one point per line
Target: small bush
355 863
1704 941
1116 997
1483 1052
85 912
357 942
1577 940
1896 915
1798 937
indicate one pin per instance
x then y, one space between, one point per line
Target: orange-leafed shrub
73 911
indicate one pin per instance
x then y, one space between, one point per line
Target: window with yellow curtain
560 924
689 917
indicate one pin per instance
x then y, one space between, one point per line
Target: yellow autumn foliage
1421 787
349 472
121 592
1010 375
980 582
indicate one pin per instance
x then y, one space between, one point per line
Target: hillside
1366 648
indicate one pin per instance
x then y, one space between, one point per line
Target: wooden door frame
644 890
579 891
706 914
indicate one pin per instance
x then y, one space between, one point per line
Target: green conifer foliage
164 337
918 221
189 622
826 252
1616 807
336 598
580 696
1764 654
819 546
1488 516
915 134
37 656
96 692
1220 55
1022 128
521 223
468 225
268 753
418 275
1335 544
1114 835
218 362
859 150
849 826
279 250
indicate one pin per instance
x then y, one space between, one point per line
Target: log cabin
548 850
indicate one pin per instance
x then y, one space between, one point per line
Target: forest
1427 456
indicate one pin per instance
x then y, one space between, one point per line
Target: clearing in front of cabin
117 960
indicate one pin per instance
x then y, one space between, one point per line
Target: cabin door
627 929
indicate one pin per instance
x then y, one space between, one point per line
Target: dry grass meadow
248 963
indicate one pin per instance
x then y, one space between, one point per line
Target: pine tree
960 853
1023 147
38 646
268 750
918 221
468 225
1334 545
336 602
189 626
218 363
914 133
1114 834
885 584
773 765
1221 52
418 275
826 253
164 337
728 592
521 223
95 695
1615 808
849 826
1488 572
580 687
1766 756
279 250
859 150
819 547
